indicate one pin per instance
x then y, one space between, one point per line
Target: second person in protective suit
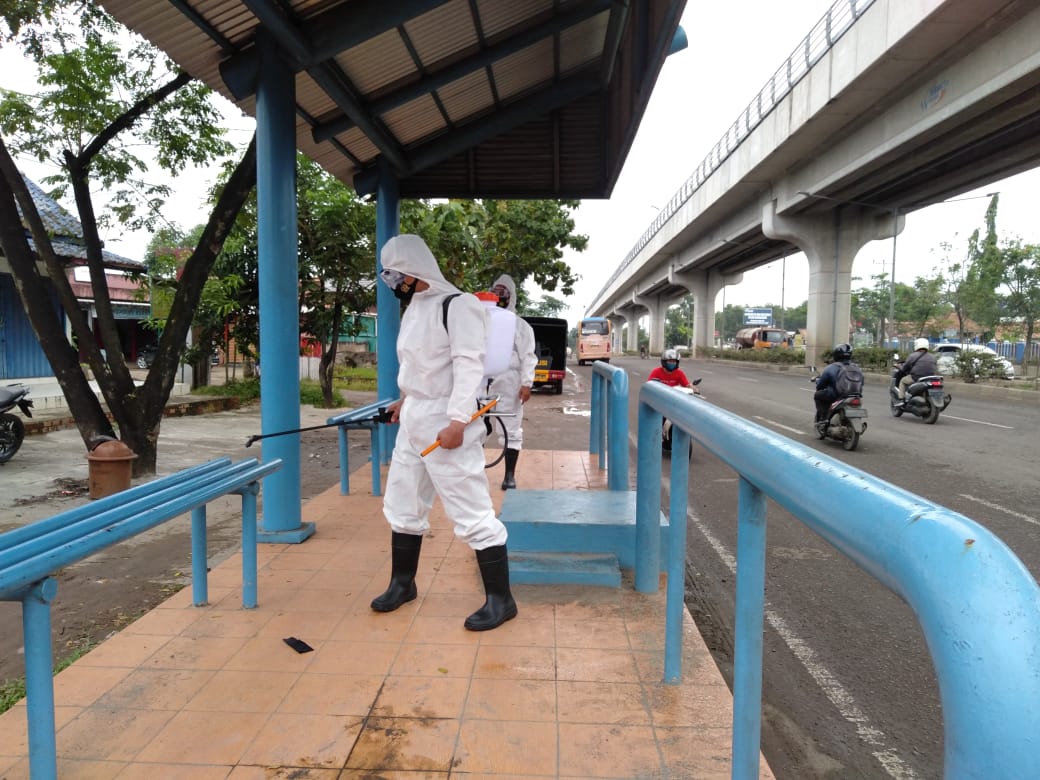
514 386
441 354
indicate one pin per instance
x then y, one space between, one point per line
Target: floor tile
304 740
608 750
421 697
405 743
508 699
226 738
507 746
331 694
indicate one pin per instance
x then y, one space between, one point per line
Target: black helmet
843 352
670 359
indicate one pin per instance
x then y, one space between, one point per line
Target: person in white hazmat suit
440 379
514 386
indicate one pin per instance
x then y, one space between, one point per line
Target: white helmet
921 343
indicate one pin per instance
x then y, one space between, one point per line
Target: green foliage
98 104
548 306
362 378
778 356
310 393
245 390
476 241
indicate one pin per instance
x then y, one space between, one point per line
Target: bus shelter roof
457 98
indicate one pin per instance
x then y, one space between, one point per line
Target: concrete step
545 568
576 522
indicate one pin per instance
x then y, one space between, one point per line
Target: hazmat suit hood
409 255
507 281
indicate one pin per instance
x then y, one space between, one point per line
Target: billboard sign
758 316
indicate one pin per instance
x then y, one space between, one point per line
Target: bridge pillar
657 309
704 286
616 321
830 243
632 321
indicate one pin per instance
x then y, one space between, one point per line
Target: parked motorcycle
846 420
666 425
12 430
925 398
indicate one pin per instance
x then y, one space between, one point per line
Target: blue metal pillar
278 277
748 625
388 308
39 682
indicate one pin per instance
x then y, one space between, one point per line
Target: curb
183 406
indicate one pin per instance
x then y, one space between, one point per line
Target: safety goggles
391 278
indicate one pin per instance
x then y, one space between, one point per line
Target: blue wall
20 354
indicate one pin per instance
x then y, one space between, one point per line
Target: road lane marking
778 425
981 422
838 695
835 692
1000 508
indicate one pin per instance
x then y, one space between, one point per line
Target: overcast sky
699 94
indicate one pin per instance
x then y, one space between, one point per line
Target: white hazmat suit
440 378
522 363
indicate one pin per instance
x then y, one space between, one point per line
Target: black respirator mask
396 281
503 296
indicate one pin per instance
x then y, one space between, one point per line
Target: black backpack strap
444 307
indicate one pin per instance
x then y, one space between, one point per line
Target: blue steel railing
977 604
360 419
608 429
821 38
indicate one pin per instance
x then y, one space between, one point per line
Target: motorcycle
846 420
666 424
12 430
925 398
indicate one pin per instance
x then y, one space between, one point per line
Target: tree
476 241
984 274
337 244
548 306
678 325
99 103
1021 263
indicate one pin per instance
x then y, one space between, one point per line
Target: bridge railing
608 428
977 604
836 22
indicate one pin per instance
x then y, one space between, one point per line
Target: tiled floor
569 689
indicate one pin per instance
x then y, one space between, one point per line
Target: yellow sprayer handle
481 411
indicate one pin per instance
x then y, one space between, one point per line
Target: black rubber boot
404 549
499 605
510 479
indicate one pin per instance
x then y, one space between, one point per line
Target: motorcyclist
920 363
827 382
670 373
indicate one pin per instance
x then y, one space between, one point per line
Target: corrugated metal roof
492 98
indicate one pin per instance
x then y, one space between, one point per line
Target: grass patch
245 390
362 378
13 691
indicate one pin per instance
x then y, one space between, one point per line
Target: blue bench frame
31 554
359 419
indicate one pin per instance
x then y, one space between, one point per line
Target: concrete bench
30 555
364 417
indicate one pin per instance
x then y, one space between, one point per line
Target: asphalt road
849 689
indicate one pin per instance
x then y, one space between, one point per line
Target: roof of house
65 231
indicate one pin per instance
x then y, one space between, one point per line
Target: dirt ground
106 592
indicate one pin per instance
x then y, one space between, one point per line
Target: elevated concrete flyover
884 108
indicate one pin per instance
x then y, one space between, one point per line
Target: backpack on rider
849 380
